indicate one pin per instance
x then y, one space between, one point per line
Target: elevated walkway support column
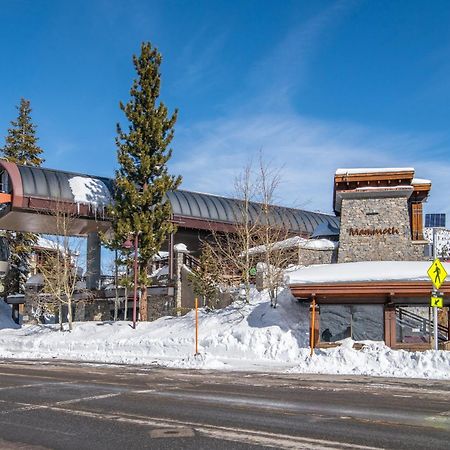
93 261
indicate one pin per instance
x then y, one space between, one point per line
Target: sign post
313 324
437 275
196 327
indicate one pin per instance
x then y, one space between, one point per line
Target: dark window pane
367 322
335 322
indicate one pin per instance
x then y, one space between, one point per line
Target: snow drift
240 337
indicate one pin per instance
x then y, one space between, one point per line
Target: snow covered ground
250 337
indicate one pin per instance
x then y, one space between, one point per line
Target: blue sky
314 85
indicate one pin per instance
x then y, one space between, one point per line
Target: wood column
390 337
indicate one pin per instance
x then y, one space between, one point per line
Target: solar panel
435 220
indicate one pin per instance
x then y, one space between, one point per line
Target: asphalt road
59 405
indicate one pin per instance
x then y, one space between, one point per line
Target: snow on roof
319 244
48 244
420 181
373 170
361 272
90 190
297 242
384 188
161 255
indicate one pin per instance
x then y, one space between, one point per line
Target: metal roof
54 184
223 209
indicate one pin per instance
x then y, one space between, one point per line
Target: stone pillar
93 261
179 251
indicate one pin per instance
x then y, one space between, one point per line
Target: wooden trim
413 346
375 176
390 337
368 289
421 187
416 221
316 324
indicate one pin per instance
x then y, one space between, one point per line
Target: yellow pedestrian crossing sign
437 273
437 302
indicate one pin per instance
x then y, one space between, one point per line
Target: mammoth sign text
372 231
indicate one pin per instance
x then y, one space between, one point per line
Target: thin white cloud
285 68
309 152
196 60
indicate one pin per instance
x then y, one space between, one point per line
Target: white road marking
86 399
274 440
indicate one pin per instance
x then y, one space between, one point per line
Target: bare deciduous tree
256 226
59 267
271 230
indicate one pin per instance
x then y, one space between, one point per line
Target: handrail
414 318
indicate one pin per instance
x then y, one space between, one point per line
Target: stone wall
160 303
377 229
307 257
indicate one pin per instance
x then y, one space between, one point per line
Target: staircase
411 320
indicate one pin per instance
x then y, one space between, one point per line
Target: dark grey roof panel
185 208
222 209
49 183
175 203
313 219
216 208
54 184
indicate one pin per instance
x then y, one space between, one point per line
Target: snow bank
240 337
362 271
90 191
376 359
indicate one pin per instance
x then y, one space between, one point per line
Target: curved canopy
214 208
33 185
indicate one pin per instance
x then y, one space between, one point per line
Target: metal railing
407 318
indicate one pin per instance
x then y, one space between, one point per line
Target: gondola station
363 270
378 288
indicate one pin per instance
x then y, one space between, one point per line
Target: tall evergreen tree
21 148
142 180
21 142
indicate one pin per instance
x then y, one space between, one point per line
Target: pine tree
21 148
21 142
142 180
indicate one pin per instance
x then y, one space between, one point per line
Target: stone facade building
381 214
377 228
378 289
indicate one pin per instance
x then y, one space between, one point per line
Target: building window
360 322
413 324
